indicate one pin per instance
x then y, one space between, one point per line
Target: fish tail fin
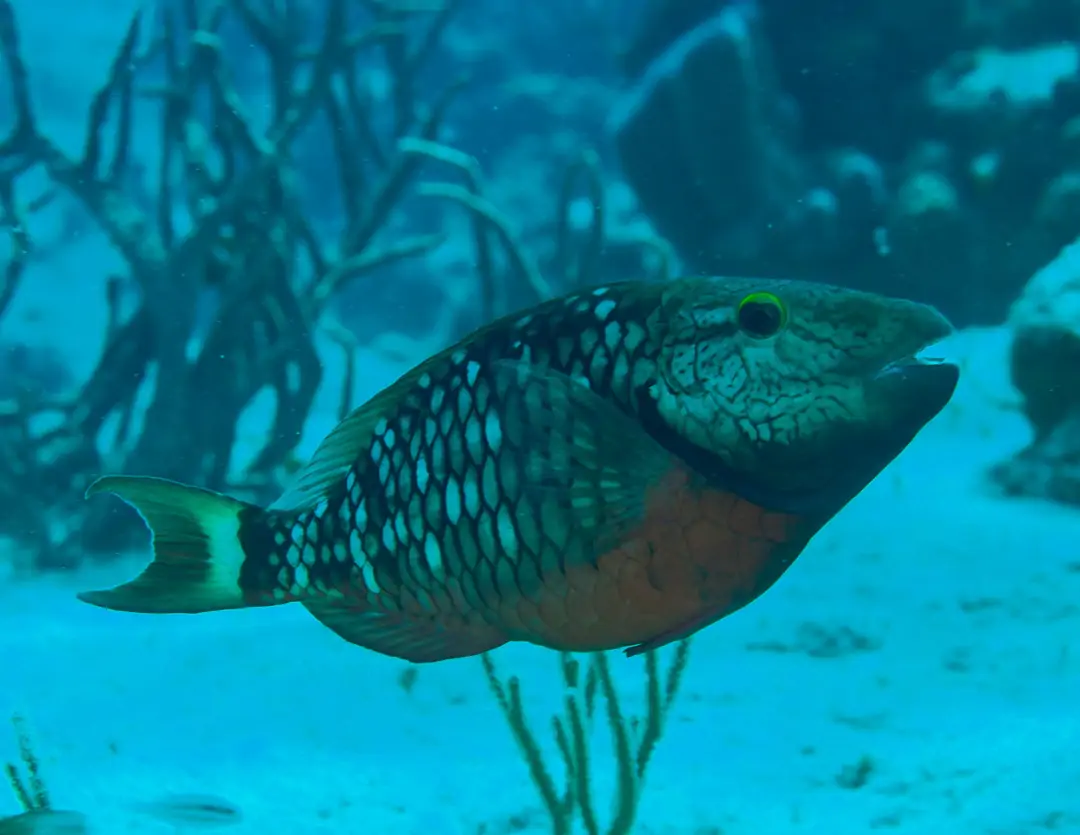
197 547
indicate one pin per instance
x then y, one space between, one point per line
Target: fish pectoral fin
582 455
196 543
401 636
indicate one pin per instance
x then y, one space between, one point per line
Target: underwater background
227 222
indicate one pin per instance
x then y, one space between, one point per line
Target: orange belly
698 556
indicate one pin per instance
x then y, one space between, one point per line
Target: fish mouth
903 396
923 381
924 339
933 352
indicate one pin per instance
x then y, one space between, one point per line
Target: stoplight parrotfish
615 468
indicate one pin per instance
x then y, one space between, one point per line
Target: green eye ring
762 315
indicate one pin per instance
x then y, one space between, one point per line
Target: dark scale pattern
600 336
294 555
434 516
446 502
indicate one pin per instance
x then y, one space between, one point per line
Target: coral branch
633 740
584 271
485 211
30 789
220 216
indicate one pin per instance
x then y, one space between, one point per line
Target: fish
192 811
45 822
616 468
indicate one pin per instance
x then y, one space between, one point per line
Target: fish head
794 394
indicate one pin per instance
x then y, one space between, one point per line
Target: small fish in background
618 467
191 811
45 822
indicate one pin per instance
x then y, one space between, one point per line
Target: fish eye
761 315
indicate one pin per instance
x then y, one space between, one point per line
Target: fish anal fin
581 453
401 636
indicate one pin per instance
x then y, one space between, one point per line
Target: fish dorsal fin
338 451
333 457
581 455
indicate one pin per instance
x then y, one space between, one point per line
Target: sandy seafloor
929 630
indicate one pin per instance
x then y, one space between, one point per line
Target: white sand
967 701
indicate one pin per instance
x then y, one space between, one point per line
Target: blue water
914 671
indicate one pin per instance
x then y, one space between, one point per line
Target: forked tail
197 544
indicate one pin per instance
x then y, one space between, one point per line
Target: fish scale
500 543
418 554
471 433
579 476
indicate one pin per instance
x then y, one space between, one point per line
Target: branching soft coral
222 214
38 814
586 685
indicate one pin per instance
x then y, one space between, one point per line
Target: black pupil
760 318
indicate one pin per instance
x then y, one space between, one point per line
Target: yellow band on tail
197 549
